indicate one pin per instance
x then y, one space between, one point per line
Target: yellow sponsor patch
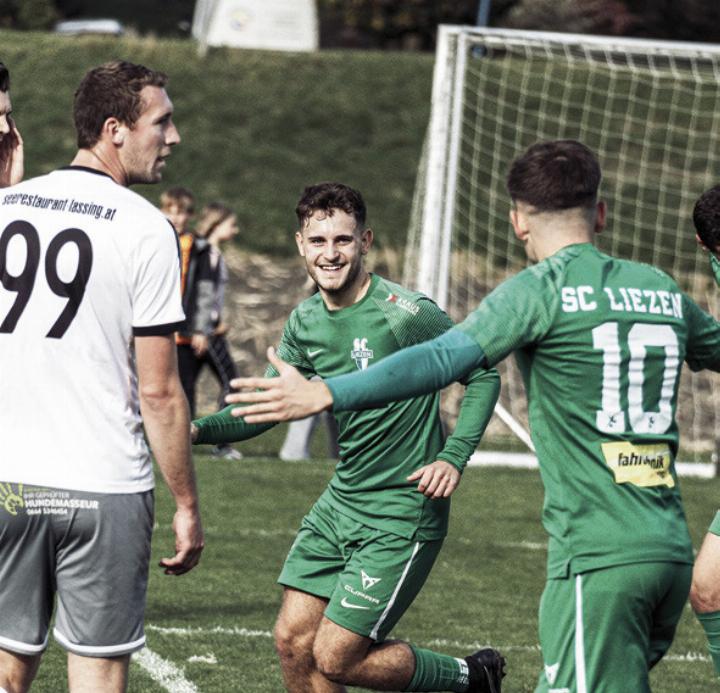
10 500
642 465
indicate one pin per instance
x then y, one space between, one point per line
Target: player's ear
299 243
114 130
700 243
518 223
600 216
366 241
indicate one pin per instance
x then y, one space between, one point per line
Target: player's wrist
324 395
187 505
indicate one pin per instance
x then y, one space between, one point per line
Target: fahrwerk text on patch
641 465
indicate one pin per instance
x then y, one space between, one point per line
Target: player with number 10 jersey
600 342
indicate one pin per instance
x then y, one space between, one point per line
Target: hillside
256 126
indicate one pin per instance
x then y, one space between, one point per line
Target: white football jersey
85 265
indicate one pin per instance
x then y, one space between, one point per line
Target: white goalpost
650 110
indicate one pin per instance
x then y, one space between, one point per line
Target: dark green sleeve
223 427
703 343
715 267
482 386
516 313
478 403
418 370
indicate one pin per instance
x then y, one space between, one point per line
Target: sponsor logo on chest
403 303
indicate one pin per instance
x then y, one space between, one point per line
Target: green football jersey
379 448
600 342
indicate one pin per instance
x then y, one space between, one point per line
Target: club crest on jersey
368 581
360 353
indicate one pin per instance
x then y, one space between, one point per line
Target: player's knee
330 666
705 596
334 663
17 672
292 642
13 684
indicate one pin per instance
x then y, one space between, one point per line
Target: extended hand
12 159
437 480
189 543
286 398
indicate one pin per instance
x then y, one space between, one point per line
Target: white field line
215 630
165 673
526 460
434 642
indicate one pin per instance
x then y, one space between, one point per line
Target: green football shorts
602 631
368 576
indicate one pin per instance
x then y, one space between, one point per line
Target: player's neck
99 160
547 246
350 295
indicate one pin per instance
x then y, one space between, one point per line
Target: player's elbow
159 394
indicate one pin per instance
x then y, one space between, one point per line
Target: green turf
484 588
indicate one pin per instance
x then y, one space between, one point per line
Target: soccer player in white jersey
89 304
11 144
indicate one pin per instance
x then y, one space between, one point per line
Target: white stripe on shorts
376 628
22 647
110 650
579 638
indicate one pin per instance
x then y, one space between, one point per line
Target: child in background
203 297
178 206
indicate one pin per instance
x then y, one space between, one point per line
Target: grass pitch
210 630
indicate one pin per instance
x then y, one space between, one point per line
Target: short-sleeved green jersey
379 448
600 342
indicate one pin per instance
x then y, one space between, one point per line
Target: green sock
438 672
711 623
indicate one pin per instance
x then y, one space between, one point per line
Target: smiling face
147 144
333 247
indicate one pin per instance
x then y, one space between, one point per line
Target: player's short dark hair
111 90
555 175
4 78
180 196
327 197
706 217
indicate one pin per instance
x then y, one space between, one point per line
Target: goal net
650 110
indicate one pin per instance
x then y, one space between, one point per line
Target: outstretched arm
222 427
418 370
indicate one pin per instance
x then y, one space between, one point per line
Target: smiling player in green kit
600 342
366 547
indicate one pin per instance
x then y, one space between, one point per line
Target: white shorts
92 550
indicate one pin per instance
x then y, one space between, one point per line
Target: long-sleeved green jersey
600 342
379 448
